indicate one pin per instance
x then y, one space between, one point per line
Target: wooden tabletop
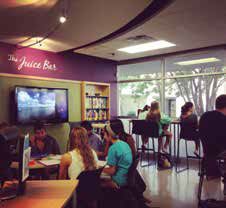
44 194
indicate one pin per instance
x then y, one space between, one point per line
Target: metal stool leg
137 142
186 146
178 154
153 147
200 159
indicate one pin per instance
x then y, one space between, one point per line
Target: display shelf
95 101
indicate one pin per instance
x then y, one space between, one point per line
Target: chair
209 203
148 129
188 132
89 189
133 172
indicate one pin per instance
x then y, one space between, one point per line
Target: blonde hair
154 112
79 142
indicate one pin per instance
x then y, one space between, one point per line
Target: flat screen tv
36 104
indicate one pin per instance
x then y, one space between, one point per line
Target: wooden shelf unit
95 101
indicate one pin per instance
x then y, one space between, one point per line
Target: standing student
119 159
80 158
163 121
188 117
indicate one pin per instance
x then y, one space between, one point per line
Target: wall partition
197 77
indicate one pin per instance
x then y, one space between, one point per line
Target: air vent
140 38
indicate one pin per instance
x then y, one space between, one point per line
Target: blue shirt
120 155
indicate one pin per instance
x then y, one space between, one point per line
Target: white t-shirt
77 165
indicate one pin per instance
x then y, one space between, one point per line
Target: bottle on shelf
95 115
100 115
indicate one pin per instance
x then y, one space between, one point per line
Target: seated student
118 128
119 159
80 158
163 121
188 117
41 143
95 141
212 129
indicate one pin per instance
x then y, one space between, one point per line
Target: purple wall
69 66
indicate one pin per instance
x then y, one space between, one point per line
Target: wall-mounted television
37 104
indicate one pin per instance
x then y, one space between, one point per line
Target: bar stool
148 129
188 132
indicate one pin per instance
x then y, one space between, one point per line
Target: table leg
74 200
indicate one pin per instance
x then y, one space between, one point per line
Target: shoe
197 154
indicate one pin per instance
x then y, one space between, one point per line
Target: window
197 77
135 95
142 85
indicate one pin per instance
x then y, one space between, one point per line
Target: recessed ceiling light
198 61
147 46
62 19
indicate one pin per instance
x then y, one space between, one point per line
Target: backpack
164 162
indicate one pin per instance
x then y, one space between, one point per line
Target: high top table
44 194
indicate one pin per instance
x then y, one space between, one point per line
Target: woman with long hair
163 121
118 128
80 157
189 117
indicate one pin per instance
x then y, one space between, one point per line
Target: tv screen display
45 105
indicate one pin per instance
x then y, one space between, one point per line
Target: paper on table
55 157
47 162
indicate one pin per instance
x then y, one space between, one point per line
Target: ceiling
88 20
189 24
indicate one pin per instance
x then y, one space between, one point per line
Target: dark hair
185 108
145 108
221 102
39 126
87 125
118 128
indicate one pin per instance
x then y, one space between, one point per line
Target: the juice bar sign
24 62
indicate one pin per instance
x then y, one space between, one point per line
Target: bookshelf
95 101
